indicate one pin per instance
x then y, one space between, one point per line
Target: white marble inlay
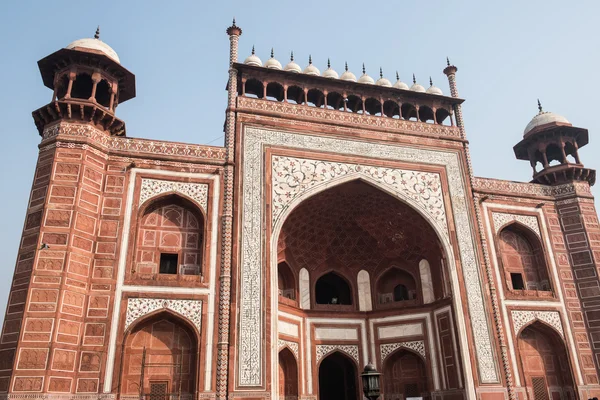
426 283
336 333
397 331
287 329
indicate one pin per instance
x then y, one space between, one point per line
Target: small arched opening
354 104
338 378
426 114
295 95
254 88
404 376
571 152
275 91
82 87
544 363
391 109
288 375
335 101
62 87
315 98
331 288
442 116
409 112
523 259
554 154
396 285
373 106
103 93
285 281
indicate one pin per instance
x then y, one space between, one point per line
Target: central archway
405 375
338 378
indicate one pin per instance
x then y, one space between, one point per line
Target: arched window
335 101
170 239
332 289
409 112
373 106
286 281
338 378
103 92
62 86
82 87
391 109
442 116
396 285
254 88
401 293
523 260
295 95
315 98
354 104
554 155
404 375
426 114
274 91
288 375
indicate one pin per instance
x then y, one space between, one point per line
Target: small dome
311 69
272 63
253 60
330 73
543 118
292 66
416 87
347 75
364 78
433 89
96 45
383 81
399 84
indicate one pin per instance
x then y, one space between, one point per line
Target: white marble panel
426 283
364 291
336 334
397 331
287 329
304 289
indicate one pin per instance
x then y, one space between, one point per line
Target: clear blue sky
508 54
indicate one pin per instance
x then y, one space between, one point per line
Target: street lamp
370 381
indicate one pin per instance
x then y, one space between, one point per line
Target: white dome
347 75
311 69
253 60
383 81
399 84
433 89
94 44
416 87
364 78
543 118
330 73
292 66
272 63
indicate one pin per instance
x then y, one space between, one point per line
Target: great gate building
340 224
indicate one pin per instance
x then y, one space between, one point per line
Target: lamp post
370 380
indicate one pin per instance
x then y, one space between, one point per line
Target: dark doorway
332 289
337 378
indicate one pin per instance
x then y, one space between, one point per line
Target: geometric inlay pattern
418 346
190 309
293 346
521 318
195 191
292 176
324 349
252 296
500 219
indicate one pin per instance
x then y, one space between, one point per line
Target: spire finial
397 76
252 49
414 79
292 56
309 59
233 23
97 34
346 66
364 71
447 61
272 53
540 106
430 81
328 63
380 72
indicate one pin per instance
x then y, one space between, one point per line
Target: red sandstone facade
340 224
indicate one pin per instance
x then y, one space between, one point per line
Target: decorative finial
272 53
328 63
346 66
252 49
430 82
380 72
233 23
540 106
414 79
97 34
292 56
447 61
364 71
397 76
309 59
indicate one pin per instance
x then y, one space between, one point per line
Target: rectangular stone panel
336 333
396 331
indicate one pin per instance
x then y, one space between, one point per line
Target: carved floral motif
195 191
325 349
530 221
522 318
416 345
190 309
293 346
525 188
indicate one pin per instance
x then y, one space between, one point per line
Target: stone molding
251 317
293 176
530 221
293 346
135 146
58 396
347 119
151 188
417 346
532 189
139 307
348 349
521 318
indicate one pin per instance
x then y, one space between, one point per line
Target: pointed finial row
447 61
233 23
346 66
252 49
364 70
414 79
397 76
310 59
430 81
328 63
272 53
540 106
97 34
292 56
380 72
